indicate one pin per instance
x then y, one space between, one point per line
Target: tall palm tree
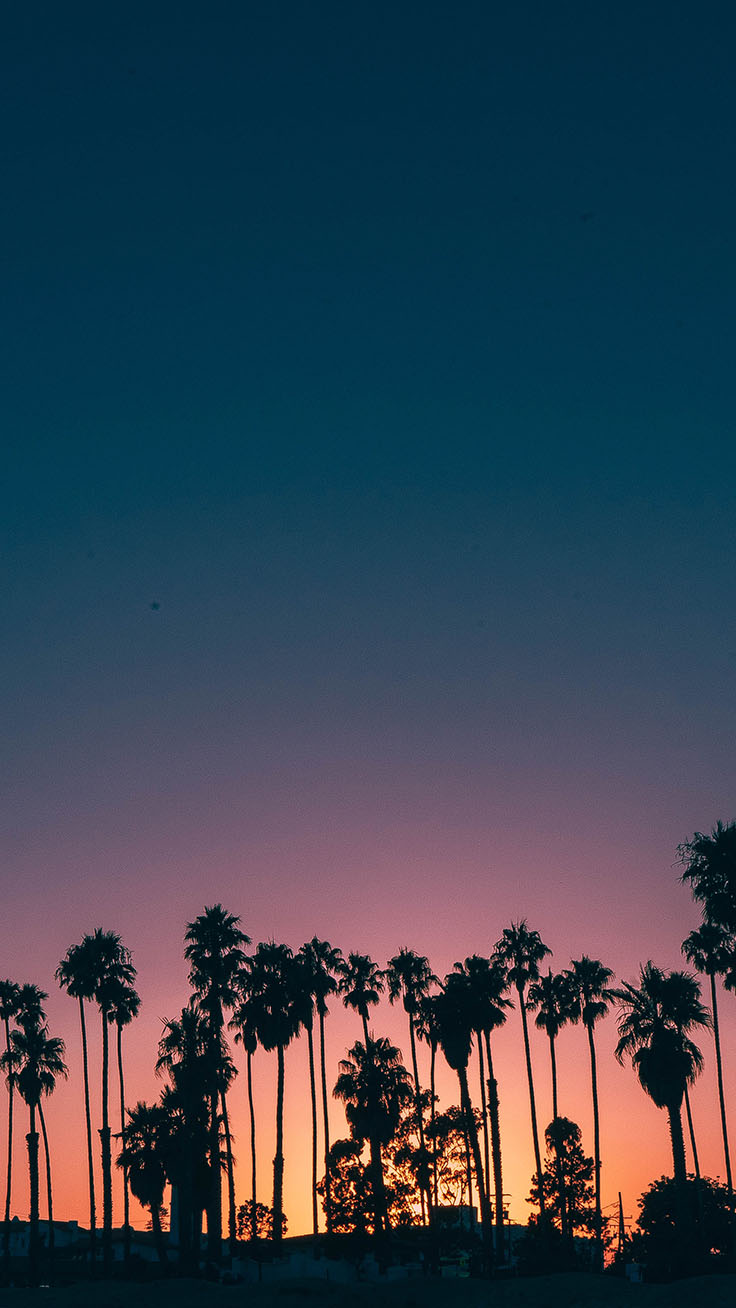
214 951
427 1029
711 951
520 950
112 968
125 1004
76 974
35 1060
550 997
373 1084
709 863
279 1009
9 993
243 1023
361 985
488 986
654 1032
325 966
410 978
592 994
141 1159
454 1014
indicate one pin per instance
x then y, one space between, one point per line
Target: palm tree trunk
684 1226
231 1224
106 1154
691 1133
366 1037
381 1223
485 1207
214 1206
313 1100
158 1235
90 1160
596 1150
484 1109
721 1097
9 1181
252 1111
532 1103
326 1125
49 1193
278 1162
126 1188
423 1185
33 1241
493 1112
433 1111
553 1063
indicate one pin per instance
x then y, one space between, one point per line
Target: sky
367 507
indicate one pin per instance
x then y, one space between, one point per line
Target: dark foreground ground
573 1291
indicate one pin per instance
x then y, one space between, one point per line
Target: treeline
404 1158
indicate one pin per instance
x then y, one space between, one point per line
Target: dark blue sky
390 350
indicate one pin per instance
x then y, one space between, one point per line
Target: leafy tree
214 951
712 951
352 1199
373 1083
142 1158
591 995
257 1222
520 951
9 995
658 1240
572 1204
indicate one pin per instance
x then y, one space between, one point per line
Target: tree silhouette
124 1005
9 995
184 1054
428 1030
141 1158
77 975
243 1023
361 985
409 978
592 994
572 1205
520 950
709 863
325 965
214 951
654 1034
711 951
551 999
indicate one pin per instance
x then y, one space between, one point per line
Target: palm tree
710 949
9 993
125 1003
279 1010
373 1084
214 950
35 1060
141 1159
592 994
709 864
550 997
454 1015
112 968
243 1023
488 985
76 974
654 1033
184 1053
325 966
427 1029
361 985
521 950
409 978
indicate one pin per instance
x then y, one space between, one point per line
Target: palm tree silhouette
409 978
214 951
124 1007
521 950
709 864
551 998
184 1053
711 951
454 1014
35 1060
275 984
243 1023
654 1033
325 964
592 994
488 986
361 985
76 974
9 994
373 1084
427 1029
141 1159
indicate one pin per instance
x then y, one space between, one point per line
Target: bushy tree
257 1223
571 1204
657 1242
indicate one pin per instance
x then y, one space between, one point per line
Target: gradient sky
389 351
